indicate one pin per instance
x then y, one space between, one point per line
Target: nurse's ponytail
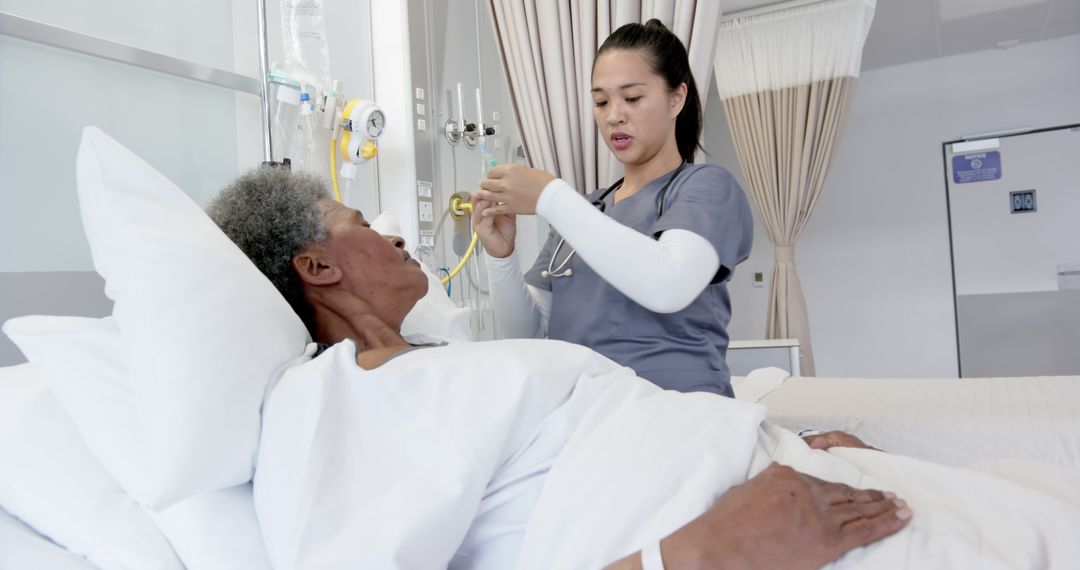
668 59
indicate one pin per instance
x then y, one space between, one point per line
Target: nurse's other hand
513 188
496 232
835 439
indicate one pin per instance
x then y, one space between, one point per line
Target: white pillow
82 361
24 547
204 330
216 530
435 315
52 482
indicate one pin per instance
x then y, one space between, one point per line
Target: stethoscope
562 270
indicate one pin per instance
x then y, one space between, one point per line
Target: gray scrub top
686 350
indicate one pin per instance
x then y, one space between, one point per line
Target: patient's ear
315 268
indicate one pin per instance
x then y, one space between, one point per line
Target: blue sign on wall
976 167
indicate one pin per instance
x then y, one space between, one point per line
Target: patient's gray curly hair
272 214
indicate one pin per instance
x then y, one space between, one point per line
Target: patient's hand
781 519
835 439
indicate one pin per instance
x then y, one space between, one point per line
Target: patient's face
375 268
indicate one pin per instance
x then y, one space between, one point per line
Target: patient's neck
376 341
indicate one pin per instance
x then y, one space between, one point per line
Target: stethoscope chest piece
566 273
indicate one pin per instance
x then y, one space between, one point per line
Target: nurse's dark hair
272 214
667 58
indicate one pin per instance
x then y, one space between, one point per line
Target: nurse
636 271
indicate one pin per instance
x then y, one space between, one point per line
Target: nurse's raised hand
496 232
513 188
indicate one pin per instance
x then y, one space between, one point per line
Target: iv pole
263 81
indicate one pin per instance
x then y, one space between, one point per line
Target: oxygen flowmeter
362 123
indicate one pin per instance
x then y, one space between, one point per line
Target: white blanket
539 454
619 486
945 420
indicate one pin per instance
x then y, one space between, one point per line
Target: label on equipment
427 237
423 188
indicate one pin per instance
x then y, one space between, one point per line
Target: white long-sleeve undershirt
521 310
663 276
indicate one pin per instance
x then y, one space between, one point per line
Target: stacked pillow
141 450
52 482
23 547
167 396
80 360
204 331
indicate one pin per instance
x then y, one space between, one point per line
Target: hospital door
1014 217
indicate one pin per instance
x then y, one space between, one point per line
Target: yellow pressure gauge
375 122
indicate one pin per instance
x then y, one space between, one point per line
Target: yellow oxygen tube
459 207
333 169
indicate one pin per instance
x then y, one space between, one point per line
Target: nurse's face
633 107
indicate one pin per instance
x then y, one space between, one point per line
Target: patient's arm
780 519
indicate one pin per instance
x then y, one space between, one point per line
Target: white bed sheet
949 420
21 547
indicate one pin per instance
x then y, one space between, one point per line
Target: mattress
952 421
21 547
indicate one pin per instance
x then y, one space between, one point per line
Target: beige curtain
785 141
786 76
548 47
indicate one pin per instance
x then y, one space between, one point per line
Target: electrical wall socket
427 212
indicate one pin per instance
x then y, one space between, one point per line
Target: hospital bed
951 421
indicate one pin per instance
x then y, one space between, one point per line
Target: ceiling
912 30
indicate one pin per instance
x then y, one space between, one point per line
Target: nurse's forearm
664 275
520 311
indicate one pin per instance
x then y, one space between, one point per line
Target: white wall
393 87
245 49
463 50
182 127
874 259
186 129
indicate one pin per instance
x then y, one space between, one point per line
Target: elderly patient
543 448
